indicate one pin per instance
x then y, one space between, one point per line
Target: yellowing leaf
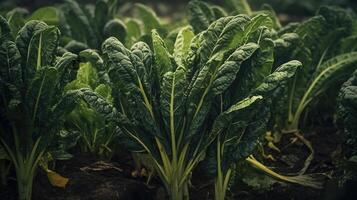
56 179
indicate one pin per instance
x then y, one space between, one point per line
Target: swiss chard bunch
86 26
316 43
96 136
171 105
32 104
240 127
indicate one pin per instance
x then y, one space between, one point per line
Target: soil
93 179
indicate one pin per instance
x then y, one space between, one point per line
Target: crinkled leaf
41 92
37 44
335 69
200 15
277 79
128 73
182 45
253 71
5 31
10 62
172 99
214 78
162 56
16 19
80 24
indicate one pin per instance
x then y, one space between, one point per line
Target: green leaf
289 28
115 28
335 69
63 107
128 73
237 110
25 36
43 47
120 66
253 71
49 15
200 15
267 9
182 45
41 92
37 44
239 6
148 17
285 46
16 19
234 134
67 68
162 56
105 91
104 108
172 99
223 34
87 75
228 70
10 62
101 14
5 31
277 79
92 56
145 57
213 79
336 17
133 29
255 24
250 138
80 24
311 32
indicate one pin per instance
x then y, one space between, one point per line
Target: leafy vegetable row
204 92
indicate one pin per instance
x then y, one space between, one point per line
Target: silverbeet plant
241 126
95 135
32 102
164 102
86 27
316 43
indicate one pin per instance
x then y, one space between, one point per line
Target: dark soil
89 180
328 154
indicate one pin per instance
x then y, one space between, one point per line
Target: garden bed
89 180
